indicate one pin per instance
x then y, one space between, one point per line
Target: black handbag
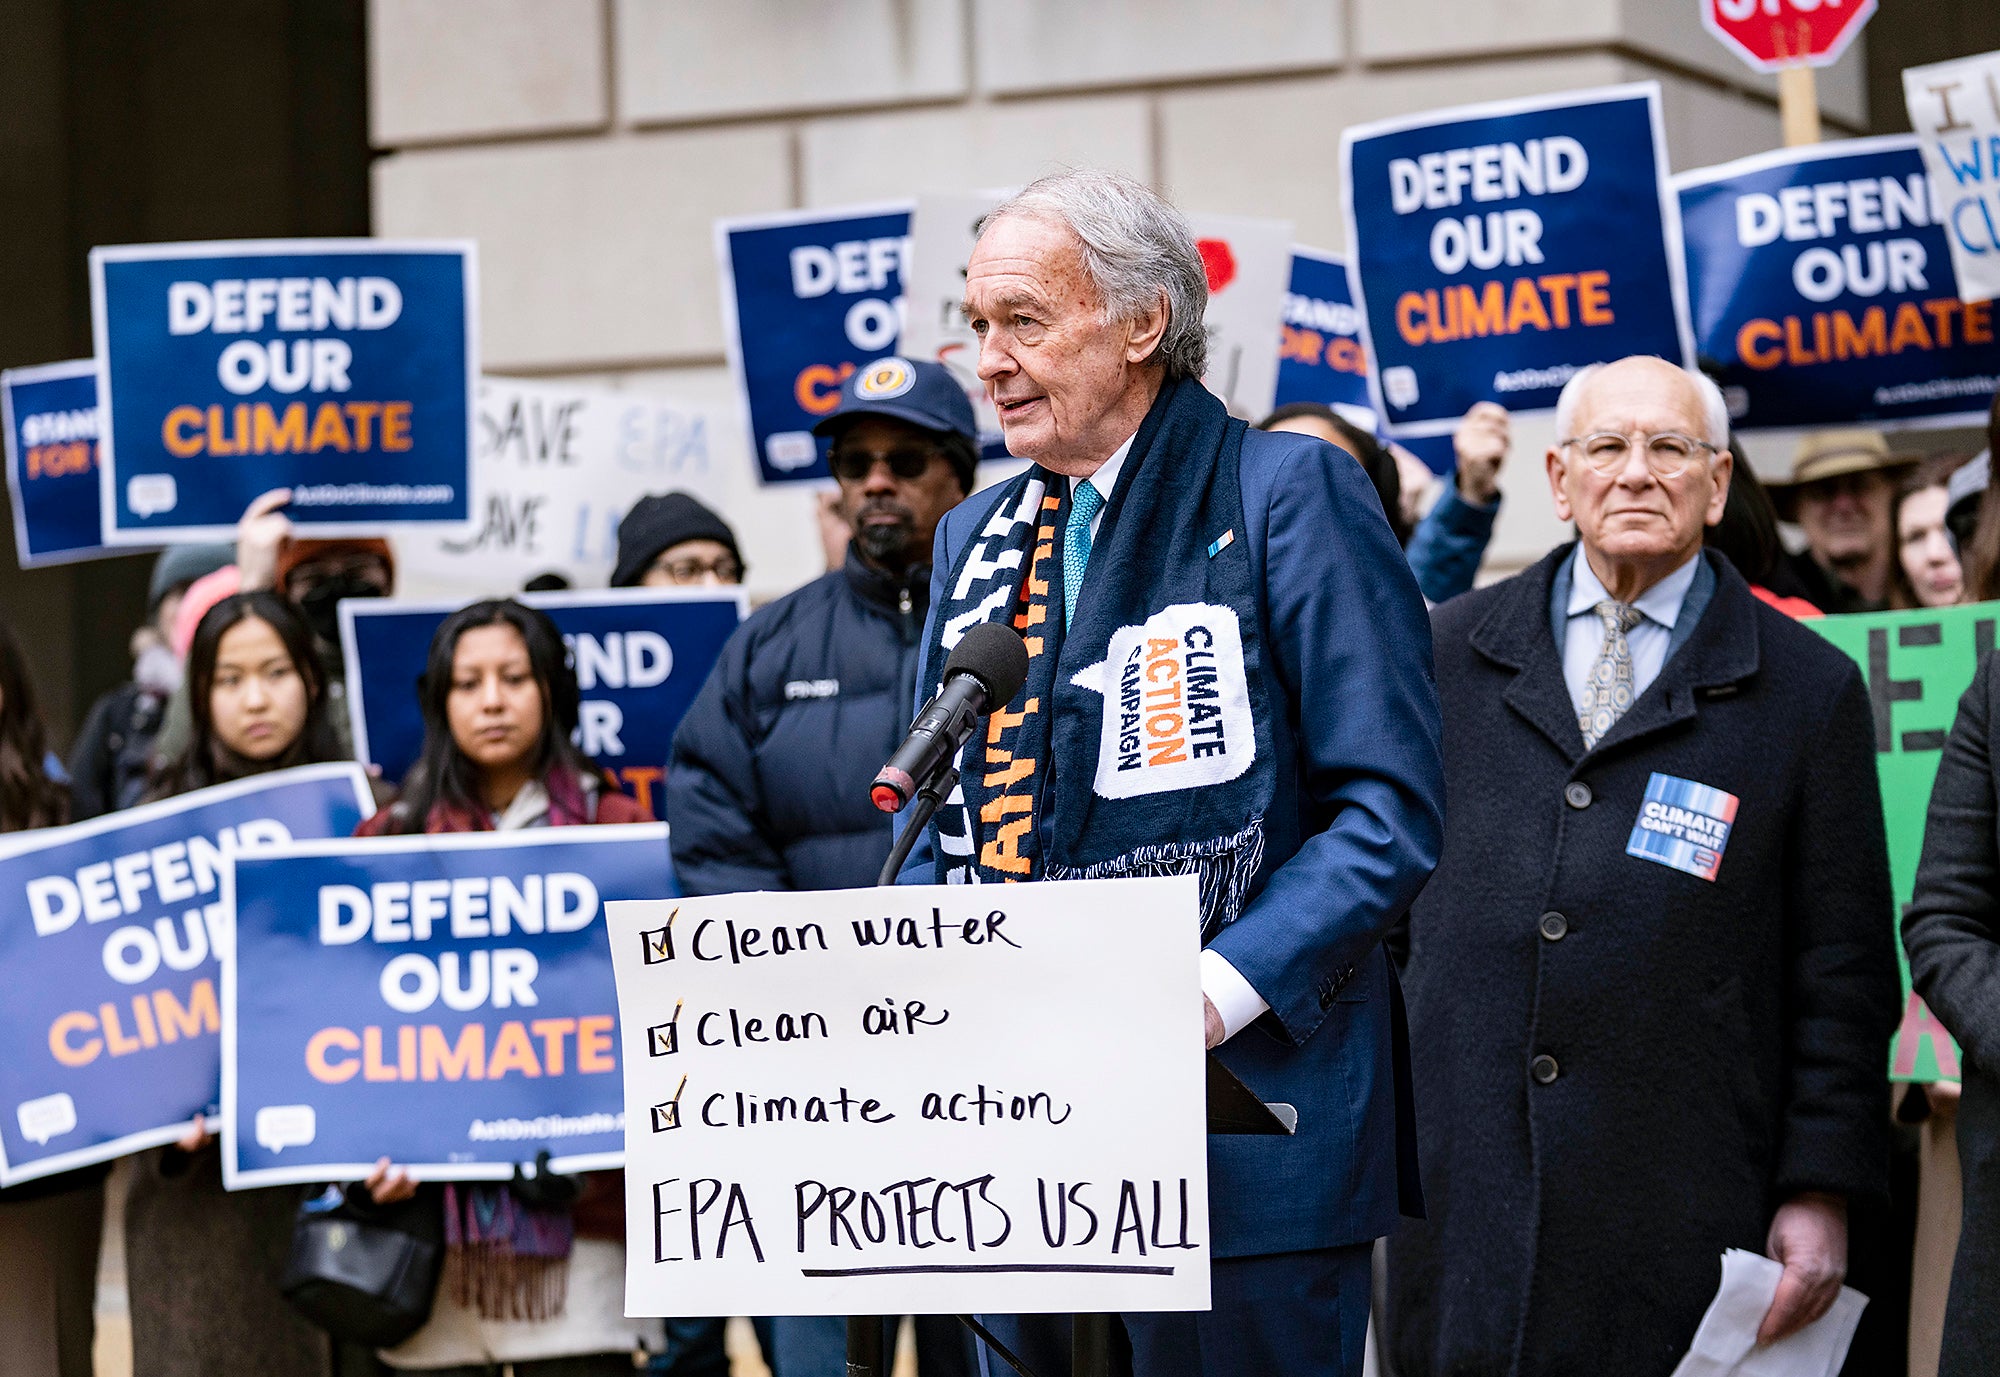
364 1272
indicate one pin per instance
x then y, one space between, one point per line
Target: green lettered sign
1917 665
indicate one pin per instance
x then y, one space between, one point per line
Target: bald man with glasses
1652 982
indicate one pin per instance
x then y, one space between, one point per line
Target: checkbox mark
659 945
668 1115
663 1039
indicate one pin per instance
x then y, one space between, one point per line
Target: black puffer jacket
768 787
113 755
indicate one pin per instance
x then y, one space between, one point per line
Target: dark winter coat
1623 1069
111 761
768 787
1952 933
201 1271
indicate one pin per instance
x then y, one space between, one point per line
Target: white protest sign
1249 265
941 240
922 1100
1955 109
558 465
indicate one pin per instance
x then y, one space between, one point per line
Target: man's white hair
1135 247
1714 411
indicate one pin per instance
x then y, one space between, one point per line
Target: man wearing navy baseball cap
903 445
768 787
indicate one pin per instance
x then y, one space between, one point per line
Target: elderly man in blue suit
1287 753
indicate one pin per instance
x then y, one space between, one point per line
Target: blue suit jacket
1354 830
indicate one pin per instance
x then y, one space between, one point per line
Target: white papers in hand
1726 1343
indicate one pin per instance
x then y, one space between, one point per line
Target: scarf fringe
1224 867
501 1285
505 1259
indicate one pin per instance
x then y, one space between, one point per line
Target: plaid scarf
507 1256
1143 731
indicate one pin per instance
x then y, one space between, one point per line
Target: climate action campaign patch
1683 824
1176 703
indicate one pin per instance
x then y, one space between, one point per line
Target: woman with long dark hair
49 1228
32 791
1322 422
500 702
1747 536
202 1264
255 694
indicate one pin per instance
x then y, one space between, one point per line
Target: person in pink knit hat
317 575
203 594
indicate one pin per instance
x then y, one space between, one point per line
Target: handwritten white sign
1249 264
923 1100
558 465
1955 109
942 235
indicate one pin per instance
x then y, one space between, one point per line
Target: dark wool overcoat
1623 1068
1952 932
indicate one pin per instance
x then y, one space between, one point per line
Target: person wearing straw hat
1841 493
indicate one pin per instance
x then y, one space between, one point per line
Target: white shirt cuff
1238 1004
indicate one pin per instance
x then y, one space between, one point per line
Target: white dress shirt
1235 1001
1105 480
1583 638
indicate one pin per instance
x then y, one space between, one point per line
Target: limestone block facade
590 144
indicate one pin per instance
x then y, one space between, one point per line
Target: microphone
985 671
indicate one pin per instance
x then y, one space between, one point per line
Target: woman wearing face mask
1928 572
48 1228
316 574
499 703
202 1264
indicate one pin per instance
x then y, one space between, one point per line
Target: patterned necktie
1608 691
1083 505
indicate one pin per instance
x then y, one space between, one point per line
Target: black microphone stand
1091 1341
927 801
1232 1108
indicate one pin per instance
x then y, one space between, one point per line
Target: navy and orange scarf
1143 734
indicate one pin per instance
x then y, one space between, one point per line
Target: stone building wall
589 145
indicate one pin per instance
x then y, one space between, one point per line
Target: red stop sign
1770 34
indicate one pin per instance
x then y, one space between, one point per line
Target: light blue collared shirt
1652 640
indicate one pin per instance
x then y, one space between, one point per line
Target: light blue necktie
1083 505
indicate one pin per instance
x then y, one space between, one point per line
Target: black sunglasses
851 464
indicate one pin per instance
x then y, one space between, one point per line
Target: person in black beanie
675 542
768 787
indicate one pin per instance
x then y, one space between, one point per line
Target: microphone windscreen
994 654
